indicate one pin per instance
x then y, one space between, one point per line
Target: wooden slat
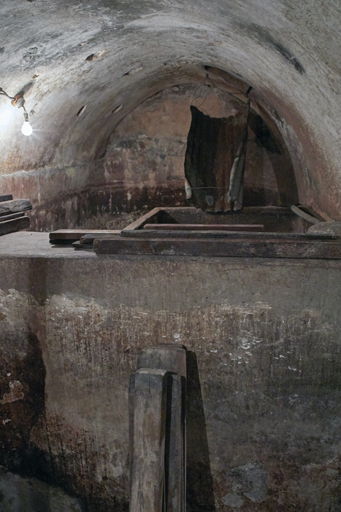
143 234
139 223
148 406
8 197
12 216
176 447
68 236
11 226
206 227
17 205
77 245
247 248
304 215
90 237
248 210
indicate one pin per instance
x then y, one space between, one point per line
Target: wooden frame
160 232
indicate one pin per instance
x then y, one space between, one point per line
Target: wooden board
191 214
12 216
89 238
148 407
15 206
68 236
8 197
78 246
274 219
176 447
166 356
145 233
11 226
173 358
139 223
205 227
246 248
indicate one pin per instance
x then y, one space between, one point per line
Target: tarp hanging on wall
212 147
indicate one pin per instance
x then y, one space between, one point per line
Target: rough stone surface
326 228
263 373
29 495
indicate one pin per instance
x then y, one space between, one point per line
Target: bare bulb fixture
26 127
19 101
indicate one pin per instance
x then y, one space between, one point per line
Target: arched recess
143 161
102 58
140 163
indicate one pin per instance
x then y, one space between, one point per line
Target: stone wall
263 364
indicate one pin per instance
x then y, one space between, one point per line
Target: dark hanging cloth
212 147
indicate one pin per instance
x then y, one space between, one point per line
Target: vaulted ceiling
100 59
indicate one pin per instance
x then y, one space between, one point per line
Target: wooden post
166 357
148 407
176 447
172 358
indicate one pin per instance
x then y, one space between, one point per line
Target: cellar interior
112 89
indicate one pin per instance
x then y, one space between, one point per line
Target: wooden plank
173 358
89 238
78 246
139 223
144 234
131 411
304 215
68 236
12 216
8 197
175 460
166 356
148 406
247 248
17 205
11 226
206 227
277 219
247 210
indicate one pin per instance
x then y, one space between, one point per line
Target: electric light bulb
26 128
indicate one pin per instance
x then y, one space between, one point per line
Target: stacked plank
12 216
80 238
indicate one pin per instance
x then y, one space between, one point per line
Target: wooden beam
175 451
148 407
89 238
8 197
172 357
166 356
11 226
68 236
15 206
206 227
235 248
12 216
139 223
227 235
